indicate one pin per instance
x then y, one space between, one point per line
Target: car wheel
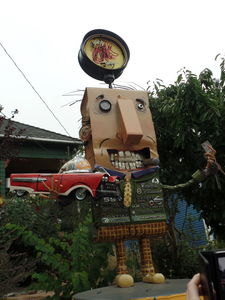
80 194
20 193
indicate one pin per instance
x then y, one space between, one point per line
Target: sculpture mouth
128 160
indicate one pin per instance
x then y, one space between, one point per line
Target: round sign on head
103 55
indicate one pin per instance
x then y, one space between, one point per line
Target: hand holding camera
210 283
194 288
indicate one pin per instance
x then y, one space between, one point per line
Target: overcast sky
44 36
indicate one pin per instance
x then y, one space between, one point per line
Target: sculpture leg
147 267
121 258
146 257
122 279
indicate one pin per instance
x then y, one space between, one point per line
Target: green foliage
51 235
15 265
182 263
72 263
17 261
133 261
186 114
35 214
11 139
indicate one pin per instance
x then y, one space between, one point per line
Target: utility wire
33 88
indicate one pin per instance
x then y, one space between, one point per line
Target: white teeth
138 164
138 156
127 154
126 160
131 165
121 153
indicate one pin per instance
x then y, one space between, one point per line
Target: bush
16 261
35 214
15 265
72 262
182 263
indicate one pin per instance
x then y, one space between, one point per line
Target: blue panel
190 222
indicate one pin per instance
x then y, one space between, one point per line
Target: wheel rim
80 194
20 193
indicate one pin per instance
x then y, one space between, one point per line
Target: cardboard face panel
117 128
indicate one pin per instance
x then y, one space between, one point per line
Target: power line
31 85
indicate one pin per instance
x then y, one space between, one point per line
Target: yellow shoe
124 280
154 278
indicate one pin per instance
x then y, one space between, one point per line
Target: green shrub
181 263
15 264
34 214
72 262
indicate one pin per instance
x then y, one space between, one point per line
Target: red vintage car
72 185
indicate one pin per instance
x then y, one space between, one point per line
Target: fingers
196 279
193 288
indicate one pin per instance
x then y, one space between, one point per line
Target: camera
212 264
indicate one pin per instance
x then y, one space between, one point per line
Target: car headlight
105 178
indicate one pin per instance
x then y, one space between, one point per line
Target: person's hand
194 288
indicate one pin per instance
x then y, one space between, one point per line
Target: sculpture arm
179 186
211 169
197 177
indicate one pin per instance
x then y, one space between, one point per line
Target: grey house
39 150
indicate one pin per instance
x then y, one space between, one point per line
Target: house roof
35 133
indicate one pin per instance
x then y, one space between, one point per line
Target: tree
10 142
186 114
10 136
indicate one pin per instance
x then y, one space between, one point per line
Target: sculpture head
117 129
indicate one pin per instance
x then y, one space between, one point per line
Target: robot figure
118 134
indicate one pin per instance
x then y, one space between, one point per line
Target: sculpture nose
130 128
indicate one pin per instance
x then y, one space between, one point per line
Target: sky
43 37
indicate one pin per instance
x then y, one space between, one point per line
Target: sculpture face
117 128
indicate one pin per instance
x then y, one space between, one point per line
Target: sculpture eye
105 105
140 106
